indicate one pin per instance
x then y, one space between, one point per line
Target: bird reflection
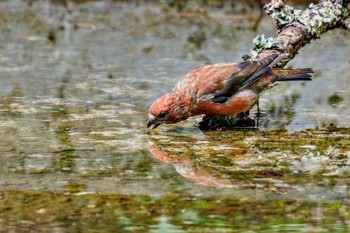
214 162
192 169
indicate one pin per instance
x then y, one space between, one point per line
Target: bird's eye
162 114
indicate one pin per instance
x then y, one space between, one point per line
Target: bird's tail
281 75
293 74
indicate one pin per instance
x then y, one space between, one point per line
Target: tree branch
295 28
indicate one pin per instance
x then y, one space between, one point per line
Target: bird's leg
258 112
258 107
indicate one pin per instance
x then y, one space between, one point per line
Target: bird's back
204 80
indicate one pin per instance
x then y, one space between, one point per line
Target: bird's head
166 109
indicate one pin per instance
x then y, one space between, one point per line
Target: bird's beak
152 122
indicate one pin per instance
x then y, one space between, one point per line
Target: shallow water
75 155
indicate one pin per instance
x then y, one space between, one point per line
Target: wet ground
76 84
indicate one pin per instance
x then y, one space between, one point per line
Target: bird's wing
243 75
220 81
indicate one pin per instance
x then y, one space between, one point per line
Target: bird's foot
229 122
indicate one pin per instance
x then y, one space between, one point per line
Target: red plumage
220 89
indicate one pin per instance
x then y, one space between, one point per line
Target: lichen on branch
260 42
319 18
281 13
296 28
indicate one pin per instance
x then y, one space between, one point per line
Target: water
75 155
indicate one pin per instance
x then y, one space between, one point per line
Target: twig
344 25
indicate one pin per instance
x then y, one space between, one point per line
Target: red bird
221 89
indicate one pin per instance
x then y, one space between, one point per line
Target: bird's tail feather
294 74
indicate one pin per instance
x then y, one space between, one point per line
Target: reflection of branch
297 28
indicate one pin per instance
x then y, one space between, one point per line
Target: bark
295 29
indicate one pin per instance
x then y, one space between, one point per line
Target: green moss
75 188
51 36
120 213
268 153
198 38
334 100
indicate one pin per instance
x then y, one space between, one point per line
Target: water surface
75 155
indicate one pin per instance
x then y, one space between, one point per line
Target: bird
221 89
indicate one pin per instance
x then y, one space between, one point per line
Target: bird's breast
240 102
